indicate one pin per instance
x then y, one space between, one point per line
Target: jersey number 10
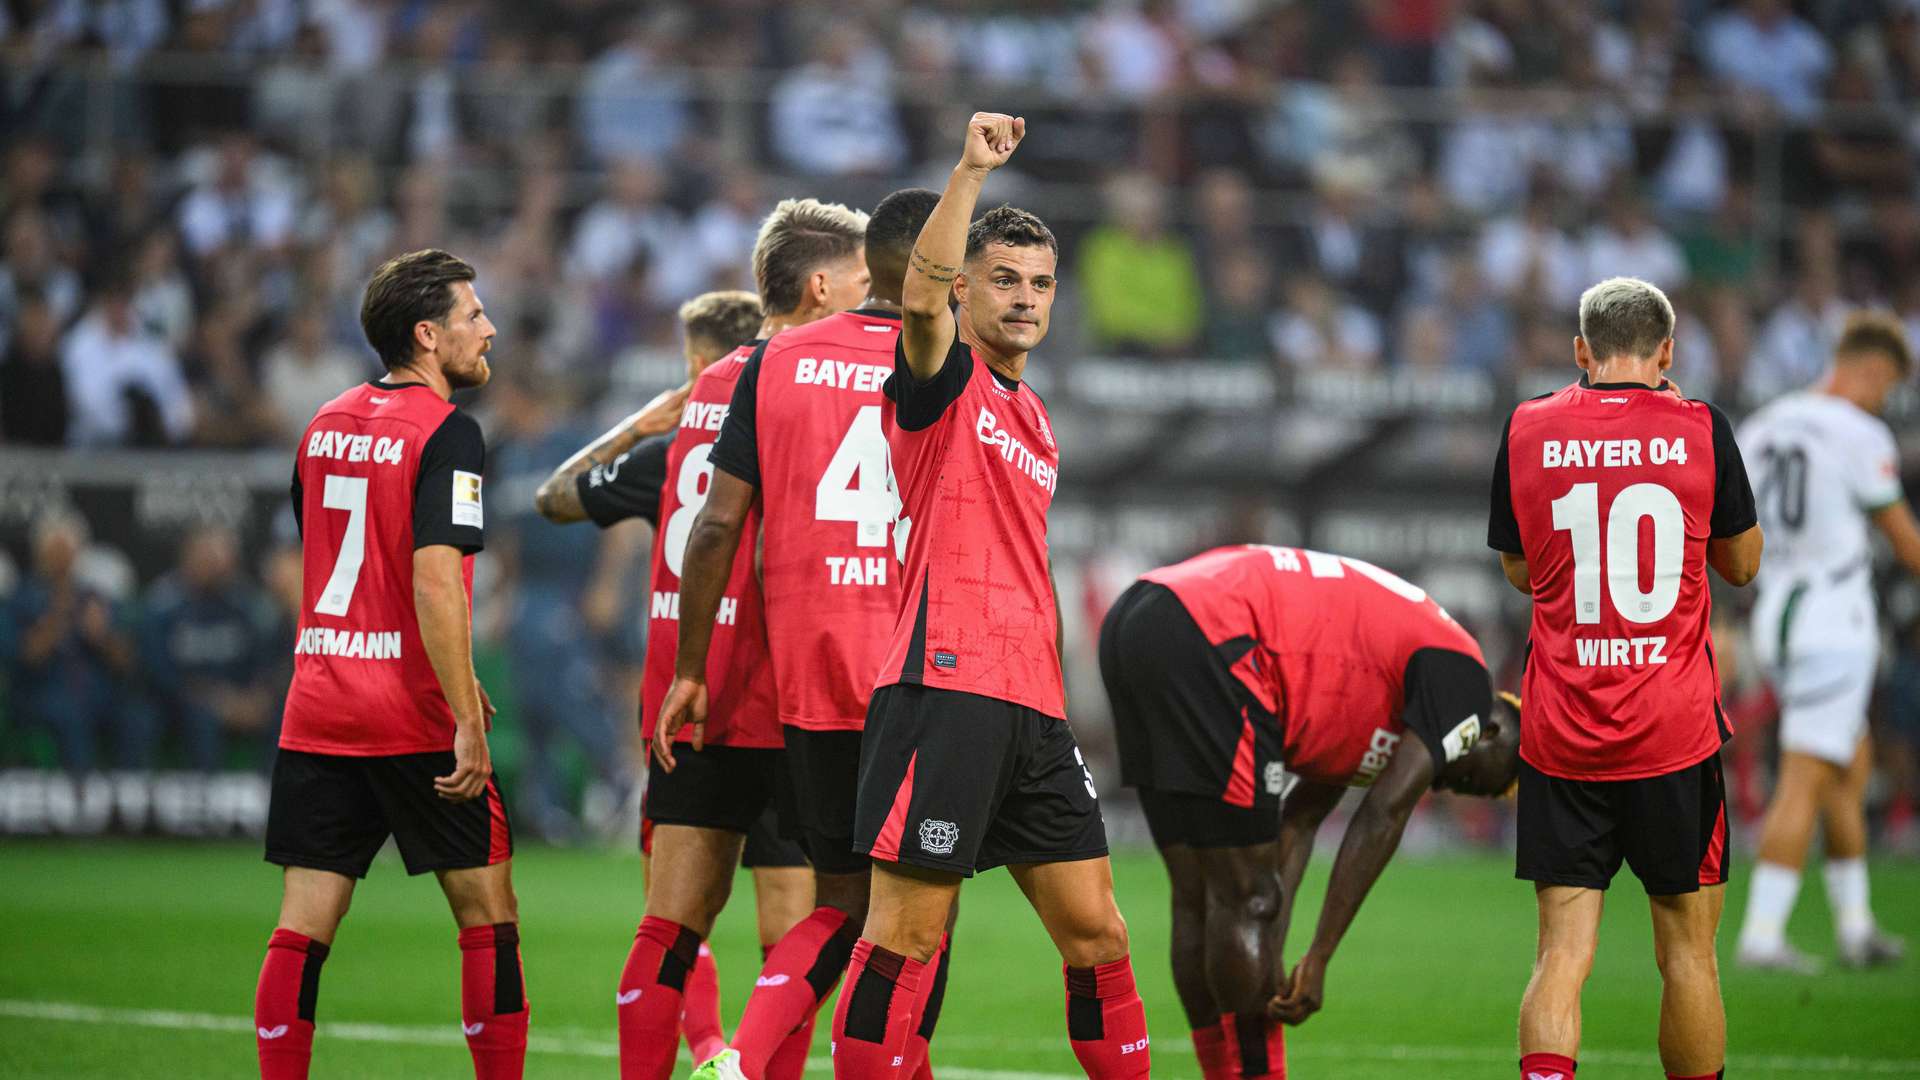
1578 512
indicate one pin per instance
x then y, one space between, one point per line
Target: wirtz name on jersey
1610 453
840 374
342 446
1620 652
989 431
666 605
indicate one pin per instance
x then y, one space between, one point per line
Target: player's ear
1666 354
1582 356
426 334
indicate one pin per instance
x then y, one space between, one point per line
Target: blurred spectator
1592 144
293 101
724 229
630 222
1527 258
1137 278
229 408
207 642
835 115
1424 338
1859 147
1338 244
123 382
33 388
128 209
1132 50
238 206
1345 125
1239 302
71 658
307 369
1761 46
1797 338
1730 327
633 102
30 263
1488 152
1726 249
162 299
355 32
348 221
1321 329
1628 244
1692 159
1482 330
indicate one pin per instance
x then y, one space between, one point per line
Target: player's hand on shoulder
472 765
686 704
991 139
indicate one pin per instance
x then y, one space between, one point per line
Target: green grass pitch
134 960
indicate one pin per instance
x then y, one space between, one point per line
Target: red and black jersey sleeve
918 404
1503 529
456 446
628 486
737 450
1733 507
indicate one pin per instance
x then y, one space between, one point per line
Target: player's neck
426 375
1011 367
876 303
786 320
1852 392
1624 369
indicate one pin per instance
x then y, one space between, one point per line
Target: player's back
362 682
741 710
832 551
1822 465
1332 639
1614 491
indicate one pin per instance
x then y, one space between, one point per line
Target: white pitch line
575 1046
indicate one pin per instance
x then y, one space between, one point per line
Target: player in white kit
1825 465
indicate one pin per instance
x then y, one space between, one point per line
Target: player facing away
1247 675
1827 467
803 442
1610 500
967 761
620 476
385 732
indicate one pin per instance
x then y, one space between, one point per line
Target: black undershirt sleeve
1733 509
628 486
299 493
1445 689
447 498
1503 529
920 404
737 450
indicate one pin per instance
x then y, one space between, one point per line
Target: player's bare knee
1097 940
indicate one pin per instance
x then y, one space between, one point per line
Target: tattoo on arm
940 272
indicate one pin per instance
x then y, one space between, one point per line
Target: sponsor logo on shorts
1275 777
938 837
946 660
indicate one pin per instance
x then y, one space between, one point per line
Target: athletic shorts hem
920 861
688 822
305 862
396 750
1622 777
1568 880
1039 858
441 865
1663 890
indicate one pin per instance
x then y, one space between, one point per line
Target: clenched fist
991 138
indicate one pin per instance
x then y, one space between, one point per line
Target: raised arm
704 570
927 326
558 499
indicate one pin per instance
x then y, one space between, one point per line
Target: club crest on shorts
938 837
1275 776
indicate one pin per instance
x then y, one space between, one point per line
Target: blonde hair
795 240
1624 316
726 319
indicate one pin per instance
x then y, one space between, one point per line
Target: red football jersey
977 466
1332 639
740 708
1611 492
362 683
805 429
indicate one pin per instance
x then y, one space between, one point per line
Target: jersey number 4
858 486
1578 512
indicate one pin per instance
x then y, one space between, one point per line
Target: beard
470 375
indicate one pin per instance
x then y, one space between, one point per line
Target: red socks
875 1015
790 1061
284 1002
927 1014
1210 1050
799 974
700 1008
1255 1047
1106 1021
493 1001
1546 1067
650 997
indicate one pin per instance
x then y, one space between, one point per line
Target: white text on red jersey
1611 453
344 446
989 431
353 644
840 374
666 605
1620 652
704 415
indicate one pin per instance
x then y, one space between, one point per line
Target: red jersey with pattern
740 705
805 429
1612 492
977 466
362 682
1332 637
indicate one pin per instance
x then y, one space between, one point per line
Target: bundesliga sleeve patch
1461 739
466 499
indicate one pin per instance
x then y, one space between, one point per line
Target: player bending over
385 732
1610 500
620 476
1248 671
1827 466
802 442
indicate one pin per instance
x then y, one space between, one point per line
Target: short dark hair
1010 226
895 224
1869 332
406 289
727 319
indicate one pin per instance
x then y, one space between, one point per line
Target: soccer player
967 761
620 476
385 730
803 442
1610 499
1247 675
1827 467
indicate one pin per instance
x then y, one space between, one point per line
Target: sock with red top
799 974
1210 1049
1546 1067
284 1004
493 1001
1106 1021
932 992
700 1008
652 995
1256 1046
876 1013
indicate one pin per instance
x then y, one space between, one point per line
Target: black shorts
1202 821
823 775
333 812
1179 714
959 782
767 847
1671 829
720 787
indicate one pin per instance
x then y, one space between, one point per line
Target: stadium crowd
194 193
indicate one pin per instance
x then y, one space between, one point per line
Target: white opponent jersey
1820 466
